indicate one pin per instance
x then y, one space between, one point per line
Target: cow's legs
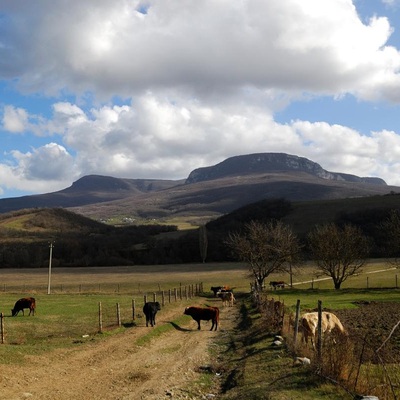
214 324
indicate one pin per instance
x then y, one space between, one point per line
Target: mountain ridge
207 191
272 162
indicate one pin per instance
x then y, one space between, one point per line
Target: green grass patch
61 321
159 330
334 299
255 369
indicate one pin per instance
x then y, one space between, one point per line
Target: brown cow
309 325
26 302
204 314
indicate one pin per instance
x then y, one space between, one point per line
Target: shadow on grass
178 328
129 324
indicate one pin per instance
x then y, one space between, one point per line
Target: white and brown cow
227 298
330 323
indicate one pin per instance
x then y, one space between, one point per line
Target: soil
117 368
370 325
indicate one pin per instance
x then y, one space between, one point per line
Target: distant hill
207 193
91 189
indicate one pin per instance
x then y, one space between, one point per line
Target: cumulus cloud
112 47
15 120
167 138
198 84
44 169
50 162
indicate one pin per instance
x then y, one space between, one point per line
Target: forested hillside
25 235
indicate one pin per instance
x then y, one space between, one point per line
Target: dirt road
118 368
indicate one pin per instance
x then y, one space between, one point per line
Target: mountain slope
207 192
90 189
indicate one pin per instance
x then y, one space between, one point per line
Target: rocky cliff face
271 162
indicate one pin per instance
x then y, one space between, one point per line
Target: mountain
91 189
207 193
271 162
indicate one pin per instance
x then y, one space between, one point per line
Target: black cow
216 289
26 302
204 314
150 310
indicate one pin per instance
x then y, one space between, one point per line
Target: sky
146 89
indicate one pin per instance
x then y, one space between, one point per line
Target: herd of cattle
207 313
308 322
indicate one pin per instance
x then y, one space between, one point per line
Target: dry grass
130 279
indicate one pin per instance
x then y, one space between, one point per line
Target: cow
277 284
150 310
309 324
26 302
204 314
227 298
216 289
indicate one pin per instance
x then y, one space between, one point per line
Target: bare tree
338 252
266 248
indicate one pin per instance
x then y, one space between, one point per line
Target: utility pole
50 258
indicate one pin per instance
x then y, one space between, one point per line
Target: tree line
255 234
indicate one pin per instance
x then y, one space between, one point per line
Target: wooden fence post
133 309
145 299
296 323
2 328
169 295
319 340
100 319
118 315
154 297
163 298
176 294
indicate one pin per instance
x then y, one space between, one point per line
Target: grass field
134 280
70 313
69 316
71 310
